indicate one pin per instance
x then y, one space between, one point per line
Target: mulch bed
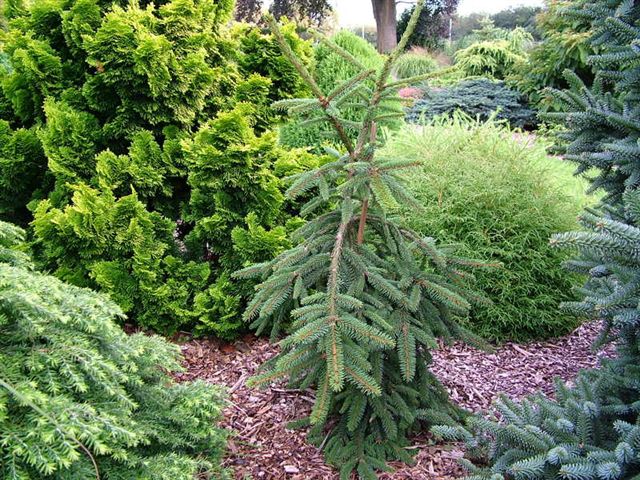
263 448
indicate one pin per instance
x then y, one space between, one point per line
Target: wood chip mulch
261 447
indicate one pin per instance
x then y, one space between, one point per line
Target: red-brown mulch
263 448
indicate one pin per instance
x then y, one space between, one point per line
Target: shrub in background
500 199
494 58
490 59
81 399
141 131
331 69
518 39
480 97
413 63
565 45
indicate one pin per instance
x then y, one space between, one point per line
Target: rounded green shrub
500 198
332 69
80 399
414 63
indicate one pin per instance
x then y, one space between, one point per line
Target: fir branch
26 401
306 75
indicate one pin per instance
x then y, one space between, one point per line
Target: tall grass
500 197
415 62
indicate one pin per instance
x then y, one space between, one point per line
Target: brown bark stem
384 12
363 220
373 134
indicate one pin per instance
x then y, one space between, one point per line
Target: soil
262 447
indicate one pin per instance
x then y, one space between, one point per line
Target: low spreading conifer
80 399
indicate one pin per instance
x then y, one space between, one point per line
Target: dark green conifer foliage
591 431
80 399
367 297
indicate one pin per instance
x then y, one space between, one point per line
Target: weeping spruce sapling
367 297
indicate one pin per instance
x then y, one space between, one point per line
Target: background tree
248 10
384 11
463 25
520 16
302 11
433 24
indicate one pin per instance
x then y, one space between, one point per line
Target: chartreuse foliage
367 297
501 199
136 134
591 431
80 399
495 58
261 55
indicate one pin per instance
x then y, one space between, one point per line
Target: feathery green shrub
501 199
479 98
139 133
413 63
81 399
565 45
591 431
491 59
495 58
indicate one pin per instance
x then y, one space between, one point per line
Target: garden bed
263 448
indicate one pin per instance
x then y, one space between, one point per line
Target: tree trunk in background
384 12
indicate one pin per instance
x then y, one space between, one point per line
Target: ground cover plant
479 98
135 139
367 296
500 198
592 429
81 399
